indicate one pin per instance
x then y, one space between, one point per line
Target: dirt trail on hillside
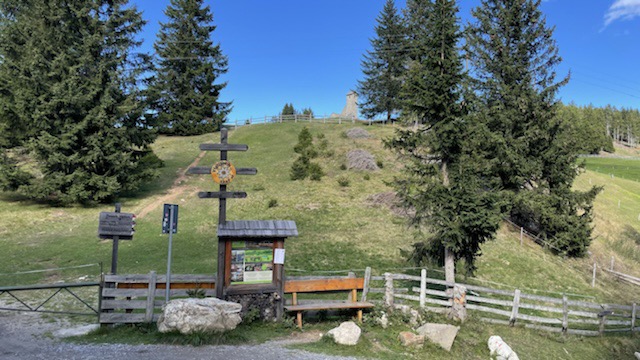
176 189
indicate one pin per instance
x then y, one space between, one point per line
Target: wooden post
114 251
603 320
351 296
151 296
388 291
423 287
565 314
521 234
634 312
367 280
515 308
593 279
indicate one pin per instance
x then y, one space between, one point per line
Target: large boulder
348 333
500 350
441 334
199 315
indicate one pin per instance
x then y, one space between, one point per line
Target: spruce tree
445 180
515 55
383 66
71 89
186 88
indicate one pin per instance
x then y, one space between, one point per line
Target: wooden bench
352 285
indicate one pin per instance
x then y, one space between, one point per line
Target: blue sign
166 215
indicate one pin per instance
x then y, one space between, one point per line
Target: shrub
379 163
299 168
343 166
367 177
315 172
272 203
343 181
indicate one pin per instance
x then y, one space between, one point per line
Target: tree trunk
449 266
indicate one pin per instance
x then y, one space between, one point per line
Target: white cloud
622 10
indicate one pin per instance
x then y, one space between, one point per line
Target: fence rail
301 118
514 307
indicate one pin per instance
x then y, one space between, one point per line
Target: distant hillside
341 227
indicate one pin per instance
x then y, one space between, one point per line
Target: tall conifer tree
444 179
515 55
185 93
383 66
69 85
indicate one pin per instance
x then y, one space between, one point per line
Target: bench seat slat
330 306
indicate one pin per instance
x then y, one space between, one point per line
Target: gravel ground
24 336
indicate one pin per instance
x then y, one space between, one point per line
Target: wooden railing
514 307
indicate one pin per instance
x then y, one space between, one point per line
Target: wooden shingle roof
258 228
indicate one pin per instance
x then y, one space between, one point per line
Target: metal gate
19 293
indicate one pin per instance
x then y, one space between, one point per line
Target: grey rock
383 321
413 314
441 334
199 315
637 354
348 333
77 331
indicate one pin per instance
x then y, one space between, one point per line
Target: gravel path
23 336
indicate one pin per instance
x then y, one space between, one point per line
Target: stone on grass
383 320
412 314
441 334
500 350
637 354
348 333
407 338
77 331
199 315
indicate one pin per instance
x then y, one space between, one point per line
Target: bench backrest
302 286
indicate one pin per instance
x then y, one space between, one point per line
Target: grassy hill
339 229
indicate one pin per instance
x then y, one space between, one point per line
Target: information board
116 224
251 262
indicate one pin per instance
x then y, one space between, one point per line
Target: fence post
521 234
565 314
295 118
365 287
339 121
515 308
633 318
151 296
388 290
423 287
612 262
593 280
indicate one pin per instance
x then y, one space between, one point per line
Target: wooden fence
302 118
139 298
512 307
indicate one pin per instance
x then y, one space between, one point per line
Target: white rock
637 354
199 315
77 331
383 321
348 333
500 349
441 334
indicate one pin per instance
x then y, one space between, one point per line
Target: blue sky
309 52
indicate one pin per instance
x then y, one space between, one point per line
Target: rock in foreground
199 315
348 333
441 334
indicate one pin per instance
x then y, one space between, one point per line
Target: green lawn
617 168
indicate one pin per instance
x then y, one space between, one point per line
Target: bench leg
360 316
299 319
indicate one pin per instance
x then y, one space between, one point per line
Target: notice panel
251 262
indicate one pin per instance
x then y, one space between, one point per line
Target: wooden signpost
223 172
250 253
